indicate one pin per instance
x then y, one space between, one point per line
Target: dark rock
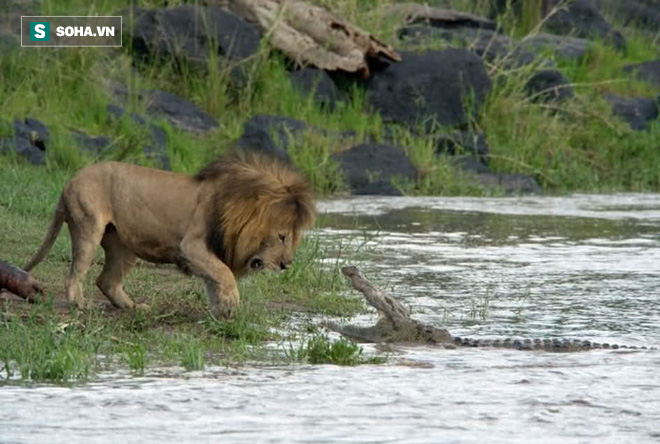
192 33
156 148
579 18
498 7
319 84
94 145
470 153
270 135
495 47
647 71
447 86
181 113
509 183
118 113
562 46
464 144
11 12
638 112
30 140
158 136
378 188
472 164
34 129
438 14
548 86
370 168
641 14
8 44
469 150
582 19
490 45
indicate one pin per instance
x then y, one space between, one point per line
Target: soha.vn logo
85 31
39 31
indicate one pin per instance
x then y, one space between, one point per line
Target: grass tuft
319 349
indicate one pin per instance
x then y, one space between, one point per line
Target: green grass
319 349
577 146
41 348
42 342
48 342
582 148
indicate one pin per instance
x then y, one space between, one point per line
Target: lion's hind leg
85 238
118 262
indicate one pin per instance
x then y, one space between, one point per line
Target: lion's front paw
227 304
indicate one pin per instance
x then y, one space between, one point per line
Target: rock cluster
434 93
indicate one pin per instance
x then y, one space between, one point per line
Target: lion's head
259 208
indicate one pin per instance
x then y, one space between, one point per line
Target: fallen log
19 282
394 323
311 35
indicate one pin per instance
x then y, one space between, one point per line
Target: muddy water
579 267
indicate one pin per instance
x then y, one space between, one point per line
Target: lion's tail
51 235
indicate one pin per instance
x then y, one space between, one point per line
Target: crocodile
395 325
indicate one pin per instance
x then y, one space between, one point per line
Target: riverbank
50 341
596 131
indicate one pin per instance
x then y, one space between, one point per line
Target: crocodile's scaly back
552 345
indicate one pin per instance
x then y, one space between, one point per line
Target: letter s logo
39 31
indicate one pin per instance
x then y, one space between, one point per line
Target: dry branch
312 35
19 282
394 324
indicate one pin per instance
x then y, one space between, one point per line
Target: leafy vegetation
580 147
319 349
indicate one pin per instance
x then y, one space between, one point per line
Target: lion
236 216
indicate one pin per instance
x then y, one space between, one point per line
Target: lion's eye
282 238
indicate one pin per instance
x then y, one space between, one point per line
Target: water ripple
582 266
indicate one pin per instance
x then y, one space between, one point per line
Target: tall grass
578 145
580 148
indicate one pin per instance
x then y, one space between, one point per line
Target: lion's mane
251 195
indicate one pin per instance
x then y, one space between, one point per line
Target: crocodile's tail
552 345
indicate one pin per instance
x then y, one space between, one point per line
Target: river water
579 267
